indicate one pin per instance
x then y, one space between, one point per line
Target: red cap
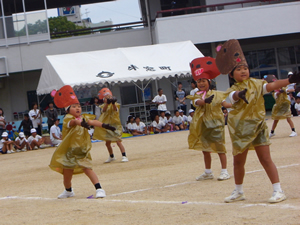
64 97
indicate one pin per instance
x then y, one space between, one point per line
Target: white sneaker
8 152
24 150
224 176
100 193
110 159
205 176
35 148
271 135
235 196
12 151
293 134
124 159
18 150
277 197
66 194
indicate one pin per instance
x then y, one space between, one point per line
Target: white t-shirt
184 118
297 106
130 126
2 142
56 130
164 120
170 120
140 127
192 92
177 120
162 98
290 86
190 119
31 138
158 125
21 140
37 121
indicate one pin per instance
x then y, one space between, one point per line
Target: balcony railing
215 7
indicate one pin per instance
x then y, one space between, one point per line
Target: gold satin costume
282 107
74 150
111 117
246 122
207 127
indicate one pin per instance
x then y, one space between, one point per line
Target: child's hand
85 124
113 100
109 100
295 78
108 127
209 99
242 95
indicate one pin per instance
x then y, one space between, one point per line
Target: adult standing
2 122
51 114
193 91
180 97
96 107
36 118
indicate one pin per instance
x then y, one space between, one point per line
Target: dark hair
57 119
33 104
2 111
50 103
159 89
26 114
137 117
297 97
176 111
162 112
179 83
129 118
193 82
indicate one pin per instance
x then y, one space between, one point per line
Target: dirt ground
157 185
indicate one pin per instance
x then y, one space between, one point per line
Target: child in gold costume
246 120
73 156
110 114
207 128
281 109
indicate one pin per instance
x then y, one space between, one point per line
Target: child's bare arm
95 123
277 85
74 123
226 104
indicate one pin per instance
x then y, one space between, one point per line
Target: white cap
21 135
168 112
290 73
4 134
180 110
191 110
33 130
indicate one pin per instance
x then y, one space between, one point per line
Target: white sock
277 187
208 171
224 171
239 188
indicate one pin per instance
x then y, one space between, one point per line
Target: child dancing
207 129
246 120
110 114
281 109
73 156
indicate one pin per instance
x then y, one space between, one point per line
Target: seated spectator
21 143
164 119
130 124
297 105
35 140
170 120
225 113
6 144
27 125
2 122
190 117
184 119
55 133
158 125
178 121
139 127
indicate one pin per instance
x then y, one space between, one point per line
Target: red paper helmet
64 97
204 67
103 92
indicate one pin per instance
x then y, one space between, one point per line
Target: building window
286 56
131 95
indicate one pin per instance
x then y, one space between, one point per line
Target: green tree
61 24
38 27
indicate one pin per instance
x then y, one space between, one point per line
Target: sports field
157 185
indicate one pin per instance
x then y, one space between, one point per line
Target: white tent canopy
117 65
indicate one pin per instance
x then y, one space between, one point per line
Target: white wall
31 57
257 21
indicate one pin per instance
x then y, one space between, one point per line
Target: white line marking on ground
190 182
282 206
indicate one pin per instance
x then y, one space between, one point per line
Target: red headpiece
103 92
64 97
204 67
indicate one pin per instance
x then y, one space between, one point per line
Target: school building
269 33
